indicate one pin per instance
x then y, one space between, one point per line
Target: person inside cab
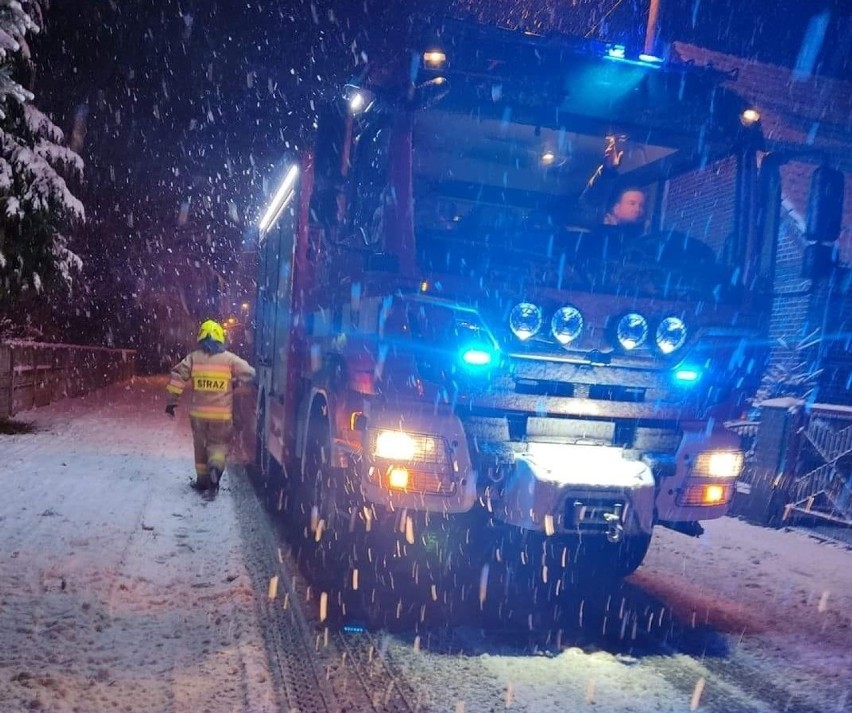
211 369
626 207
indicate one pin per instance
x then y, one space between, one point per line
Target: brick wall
701 203
791 301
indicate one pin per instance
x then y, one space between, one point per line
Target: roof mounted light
357 98
547 157
434 59
280 200
650 59
356 102
750 117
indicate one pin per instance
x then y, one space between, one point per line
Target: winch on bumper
578 489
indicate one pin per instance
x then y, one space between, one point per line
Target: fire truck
452 319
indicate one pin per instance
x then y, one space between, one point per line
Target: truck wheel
329 546
631 554
598 560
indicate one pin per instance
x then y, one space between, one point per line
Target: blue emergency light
687 375
475 356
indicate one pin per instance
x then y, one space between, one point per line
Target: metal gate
825 489
799 466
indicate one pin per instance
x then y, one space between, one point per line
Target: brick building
811 117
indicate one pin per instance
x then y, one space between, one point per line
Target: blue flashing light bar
618 53
687 375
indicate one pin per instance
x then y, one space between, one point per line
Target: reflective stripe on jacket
210 376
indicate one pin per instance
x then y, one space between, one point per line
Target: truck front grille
592 513
596 392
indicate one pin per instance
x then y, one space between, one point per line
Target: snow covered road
122 590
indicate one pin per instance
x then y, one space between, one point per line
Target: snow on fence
35 374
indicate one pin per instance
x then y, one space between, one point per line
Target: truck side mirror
825 205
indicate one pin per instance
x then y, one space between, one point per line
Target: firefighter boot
201 483
215 477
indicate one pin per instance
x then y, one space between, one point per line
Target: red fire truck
456 314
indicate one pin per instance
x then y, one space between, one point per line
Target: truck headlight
412 448
719 464
394 445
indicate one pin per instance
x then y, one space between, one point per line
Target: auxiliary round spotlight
632 331
525 320
671 334
567 324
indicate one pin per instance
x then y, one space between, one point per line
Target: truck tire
601 561
330 537
631 554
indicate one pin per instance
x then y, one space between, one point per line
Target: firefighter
627 207
212 369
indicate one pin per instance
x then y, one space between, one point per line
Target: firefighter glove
170 409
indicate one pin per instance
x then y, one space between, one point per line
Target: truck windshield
501 200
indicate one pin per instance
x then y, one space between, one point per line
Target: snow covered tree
37 208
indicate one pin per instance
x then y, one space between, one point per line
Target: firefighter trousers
210 440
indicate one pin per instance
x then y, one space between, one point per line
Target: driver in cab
627 207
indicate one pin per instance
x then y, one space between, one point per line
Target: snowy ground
122 590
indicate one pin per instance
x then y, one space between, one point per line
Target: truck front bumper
578 489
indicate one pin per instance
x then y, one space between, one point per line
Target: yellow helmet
211 329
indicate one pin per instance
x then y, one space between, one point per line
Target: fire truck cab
454 311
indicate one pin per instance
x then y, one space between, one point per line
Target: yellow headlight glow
719 464
714 494
394 445
398 478
697 494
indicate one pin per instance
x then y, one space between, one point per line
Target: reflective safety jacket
211 376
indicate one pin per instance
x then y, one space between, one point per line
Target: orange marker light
714 494
398 478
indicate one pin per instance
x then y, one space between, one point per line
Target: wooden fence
34 374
